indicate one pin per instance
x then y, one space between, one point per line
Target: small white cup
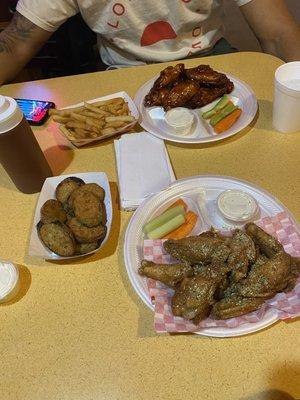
9 281
286 105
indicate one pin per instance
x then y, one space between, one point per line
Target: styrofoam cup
286 105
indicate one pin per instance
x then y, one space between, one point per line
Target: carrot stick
179 202
228 121
185 229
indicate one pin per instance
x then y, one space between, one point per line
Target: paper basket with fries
96 119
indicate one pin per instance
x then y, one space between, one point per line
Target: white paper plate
133 111
36 247
152 118
190 189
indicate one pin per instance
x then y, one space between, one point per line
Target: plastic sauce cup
237 206
9 281
179 120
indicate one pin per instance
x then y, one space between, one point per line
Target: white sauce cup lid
9 276
237 205
10 114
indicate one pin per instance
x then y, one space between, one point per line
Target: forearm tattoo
20 28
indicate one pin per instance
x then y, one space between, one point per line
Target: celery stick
163 218
167 227
220 104
223 113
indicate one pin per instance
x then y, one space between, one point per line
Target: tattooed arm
19 42
275 28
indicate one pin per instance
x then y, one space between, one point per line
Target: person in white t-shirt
134 32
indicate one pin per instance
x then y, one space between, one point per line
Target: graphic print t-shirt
133 32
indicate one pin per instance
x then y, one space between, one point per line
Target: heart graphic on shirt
157 31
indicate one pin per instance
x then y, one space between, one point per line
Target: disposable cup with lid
286 105
10 114
237 206
9 281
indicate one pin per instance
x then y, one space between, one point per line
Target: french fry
116 100
115 124
75 124
125 118
81 133
78 117
107 131
97 123
93 120
75 109
81 125
61 113
61 120
95 109
91 114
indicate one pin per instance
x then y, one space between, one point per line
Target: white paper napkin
143 168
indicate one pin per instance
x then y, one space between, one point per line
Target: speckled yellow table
79 331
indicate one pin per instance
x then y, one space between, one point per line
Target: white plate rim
139 97
244 329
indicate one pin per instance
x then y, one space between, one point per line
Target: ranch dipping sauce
9 281
179 120
237 206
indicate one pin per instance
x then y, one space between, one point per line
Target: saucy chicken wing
168 76
180 94
205 75
191 88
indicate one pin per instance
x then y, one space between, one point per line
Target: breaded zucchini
66 187
52 211
87 208
57 237
84 234
84 248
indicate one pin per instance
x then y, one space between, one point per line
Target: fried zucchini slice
57 237
84 248
66 187
52 211
84 234
94 188
87 208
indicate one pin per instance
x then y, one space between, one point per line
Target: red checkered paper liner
286 305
